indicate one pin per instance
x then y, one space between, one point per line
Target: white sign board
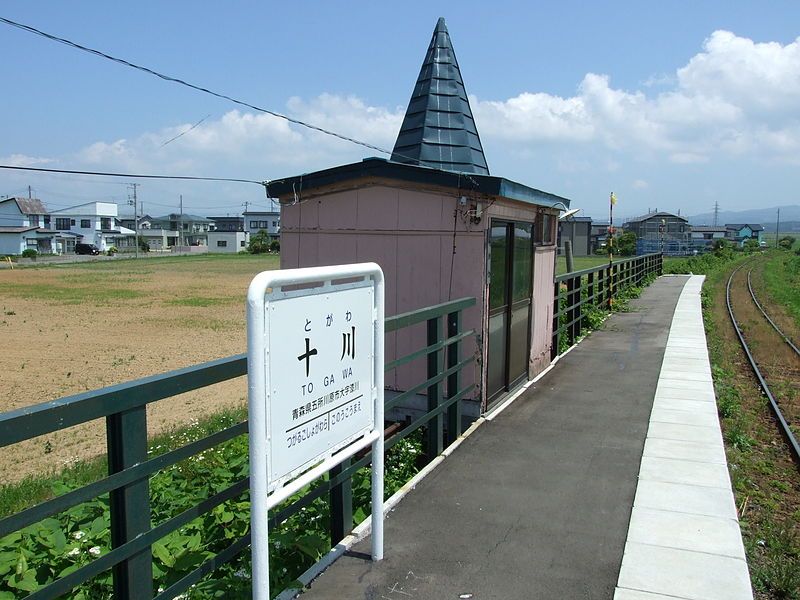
315 387
320 376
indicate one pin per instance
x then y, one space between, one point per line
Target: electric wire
220 95
133 175
199 88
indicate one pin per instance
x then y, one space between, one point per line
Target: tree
259 242
625 245
786 242
751 246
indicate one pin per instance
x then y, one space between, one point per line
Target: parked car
87 249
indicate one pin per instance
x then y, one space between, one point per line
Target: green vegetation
29 253
202 301
782 278
580 263
70 294
260 243
58 546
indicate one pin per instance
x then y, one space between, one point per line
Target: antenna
569 214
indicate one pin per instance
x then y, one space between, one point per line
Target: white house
228 241
25 224
94 223
268 220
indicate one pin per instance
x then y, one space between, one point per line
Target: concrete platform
684 539
537 502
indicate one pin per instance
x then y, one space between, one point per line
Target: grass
201 301
782 279
69 294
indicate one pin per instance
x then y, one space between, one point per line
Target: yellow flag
613 198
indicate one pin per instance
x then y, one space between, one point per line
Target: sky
671 105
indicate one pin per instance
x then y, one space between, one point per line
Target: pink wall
542 332
409 233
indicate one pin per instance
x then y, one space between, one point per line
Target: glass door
510 284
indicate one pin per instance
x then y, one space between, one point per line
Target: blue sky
673 105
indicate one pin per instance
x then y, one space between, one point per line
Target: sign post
315 387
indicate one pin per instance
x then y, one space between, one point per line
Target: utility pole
777 227
30 197
135 204
180 226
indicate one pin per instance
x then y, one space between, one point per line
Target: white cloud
735 97
22 160
640 184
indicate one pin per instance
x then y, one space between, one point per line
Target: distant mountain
763 216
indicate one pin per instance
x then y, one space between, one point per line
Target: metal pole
610 248
136 218
777 227
377 445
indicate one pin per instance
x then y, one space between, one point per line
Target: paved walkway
536 503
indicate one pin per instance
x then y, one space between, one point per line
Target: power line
126 63
132 175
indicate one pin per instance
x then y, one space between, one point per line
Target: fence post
341 499
126 439
590 289
453 383
556 340
434 442
572 310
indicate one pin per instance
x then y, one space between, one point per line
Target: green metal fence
596 287
129 469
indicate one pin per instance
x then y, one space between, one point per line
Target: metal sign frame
264 493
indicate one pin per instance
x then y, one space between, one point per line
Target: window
253 224
34 220
105 223
545 224
241 243
222 243
263 224
274 223
47 220
62 224
72 222
86 224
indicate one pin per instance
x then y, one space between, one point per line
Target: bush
274 246
259 243
143 245
112 251
29 253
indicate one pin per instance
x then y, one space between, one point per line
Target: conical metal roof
438 130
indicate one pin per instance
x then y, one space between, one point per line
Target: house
268 220
24 225
93 223
192 230
703 237
739 233
578 231
228 241
441 228
661 231
228 223
599 235
157 238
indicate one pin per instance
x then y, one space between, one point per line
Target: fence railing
597 287
129 468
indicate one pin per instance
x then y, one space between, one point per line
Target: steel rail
766 316
785 429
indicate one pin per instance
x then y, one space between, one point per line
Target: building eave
291 188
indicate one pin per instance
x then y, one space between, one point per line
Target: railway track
783 422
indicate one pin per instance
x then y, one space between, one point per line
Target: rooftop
379 168
438 129
28 206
